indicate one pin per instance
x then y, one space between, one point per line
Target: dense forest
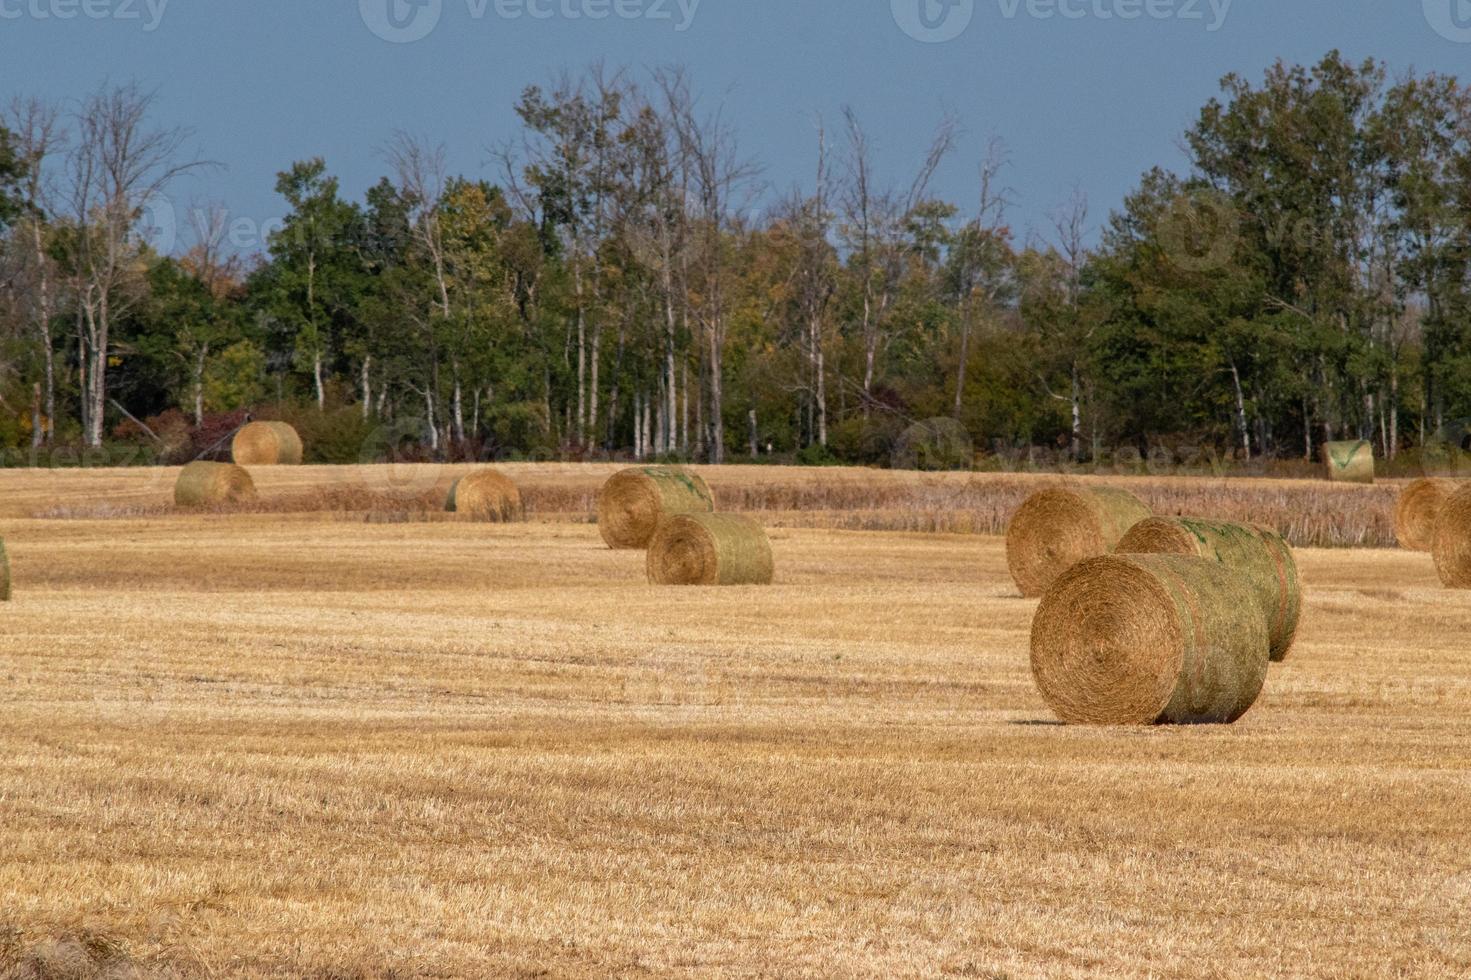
624 280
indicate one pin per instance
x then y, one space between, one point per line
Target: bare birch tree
120 165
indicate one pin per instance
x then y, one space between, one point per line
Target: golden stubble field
311 745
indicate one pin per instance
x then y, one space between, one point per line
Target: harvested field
1309 513
284 745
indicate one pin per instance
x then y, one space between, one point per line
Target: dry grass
1309 513
284 745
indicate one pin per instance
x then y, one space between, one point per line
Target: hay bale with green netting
633 502
1417 511
267 444
1349 462
4 573
486 495
1149 639
1259 554
710 549
1452 548
211 484
1056 529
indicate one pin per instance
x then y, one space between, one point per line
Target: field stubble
285 745
1309 513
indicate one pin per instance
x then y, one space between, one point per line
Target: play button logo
401 21
1450 18
933 21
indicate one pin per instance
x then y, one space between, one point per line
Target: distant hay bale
710 549
1149 639
1260 555
1416 513
633 502
1452 547
1438 458
267 444
1349 462
206 484
1056 529
486 495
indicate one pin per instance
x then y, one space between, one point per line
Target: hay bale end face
210 484
633 502
486 495
1452 547
1418 510
1260 555
1056 529
267 444
710 549
1149 639
1349 462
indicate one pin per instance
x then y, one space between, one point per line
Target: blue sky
1085 93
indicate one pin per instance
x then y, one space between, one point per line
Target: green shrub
235 378
817 455
338 436
867 442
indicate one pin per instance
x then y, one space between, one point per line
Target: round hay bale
1417 510
1438 458
1452 547
4 573
267 444
1349 462
486 495
206 484
633 502
710 549
1056 529
1260 555
1149 639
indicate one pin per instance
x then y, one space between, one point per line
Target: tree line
624 279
